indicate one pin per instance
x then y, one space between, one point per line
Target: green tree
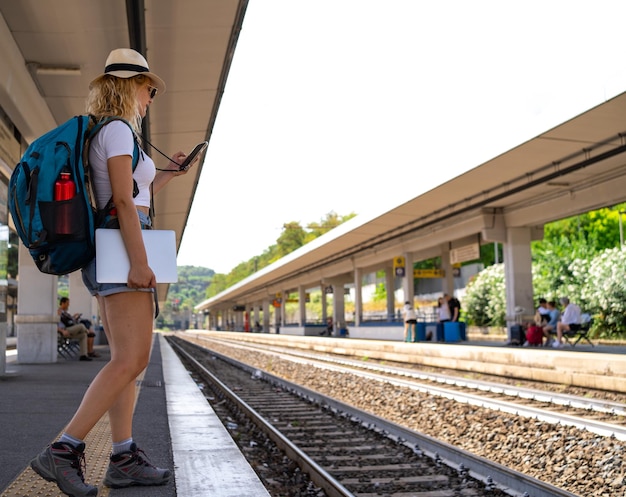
434 263
292 238
331 221
568 246
553 272
488 254
184 295
219 283
380 293
586 234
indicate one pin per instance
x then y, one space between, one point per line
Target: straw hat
126 63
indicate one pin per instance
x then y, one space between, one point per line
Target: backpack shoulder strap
96 126
108 212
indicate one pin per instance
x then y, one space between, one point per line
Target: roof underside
188 43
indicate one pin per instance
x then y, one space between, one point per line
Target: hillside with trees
196 284
292 237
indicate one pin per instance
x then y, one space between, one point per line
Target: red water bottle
64 189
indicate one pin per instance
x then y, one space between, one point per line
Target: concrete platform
602 366
174 425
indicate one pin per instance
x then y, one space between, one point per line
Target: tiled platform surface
174 425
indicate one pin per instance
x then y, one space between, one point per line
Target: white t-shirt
444 312
571 314
113 140
409 312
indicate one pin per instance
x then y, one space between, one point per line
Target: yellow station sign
428 273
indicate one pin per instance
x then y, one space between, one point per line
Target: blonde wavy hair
113 96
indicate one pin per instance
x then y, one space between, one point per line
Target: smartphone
199 148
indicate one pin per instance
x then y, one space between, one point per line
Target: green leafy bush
596 284
603 290
485 298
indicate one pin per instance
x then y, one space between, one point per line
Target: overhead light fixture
58 71
53 70
36 69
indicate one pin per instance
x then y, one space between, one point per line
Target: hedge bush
485 298
597 285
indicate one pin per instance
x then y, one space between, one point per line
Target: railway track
346 451
599 416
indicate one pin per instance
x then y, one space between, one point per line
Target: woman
125 89
443 310
410 322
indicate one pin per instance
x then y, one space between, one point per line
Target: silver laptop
112 263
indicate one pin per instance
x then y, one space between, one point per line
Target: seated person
329 327
543 311
553 319
534 331
69 323
570 321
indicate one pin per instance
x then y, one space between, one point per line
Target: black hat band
125 67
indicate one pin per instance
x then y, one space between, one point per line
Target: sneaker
85 358
93 354
63 464
557 345
134 468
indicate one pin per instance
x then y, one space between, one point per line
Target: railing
425 315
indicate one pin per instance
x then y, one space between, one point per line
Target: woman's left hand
177 159
172 171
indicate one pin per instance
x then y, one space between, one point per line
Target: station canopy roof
575 167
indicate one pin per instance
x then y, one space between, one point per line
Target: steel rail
512 482
598 427
317 474
601 406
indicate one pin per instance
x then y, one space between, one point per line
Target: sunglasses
153 91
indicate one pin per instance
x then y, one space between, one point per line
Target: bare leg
127 319
546 331
120 413
559 331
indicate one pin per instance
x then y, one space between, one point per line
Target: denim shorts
104 289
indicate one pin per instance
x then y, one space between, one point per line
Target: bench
582 333
66 347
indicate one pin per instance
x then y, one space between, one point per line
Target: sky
360 105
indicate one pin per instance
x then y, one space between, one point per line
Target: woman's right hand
141 276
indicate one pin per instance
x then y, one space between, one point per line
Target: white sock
68 439
123 446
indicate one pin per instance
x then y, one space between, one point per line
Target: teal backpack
51 200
